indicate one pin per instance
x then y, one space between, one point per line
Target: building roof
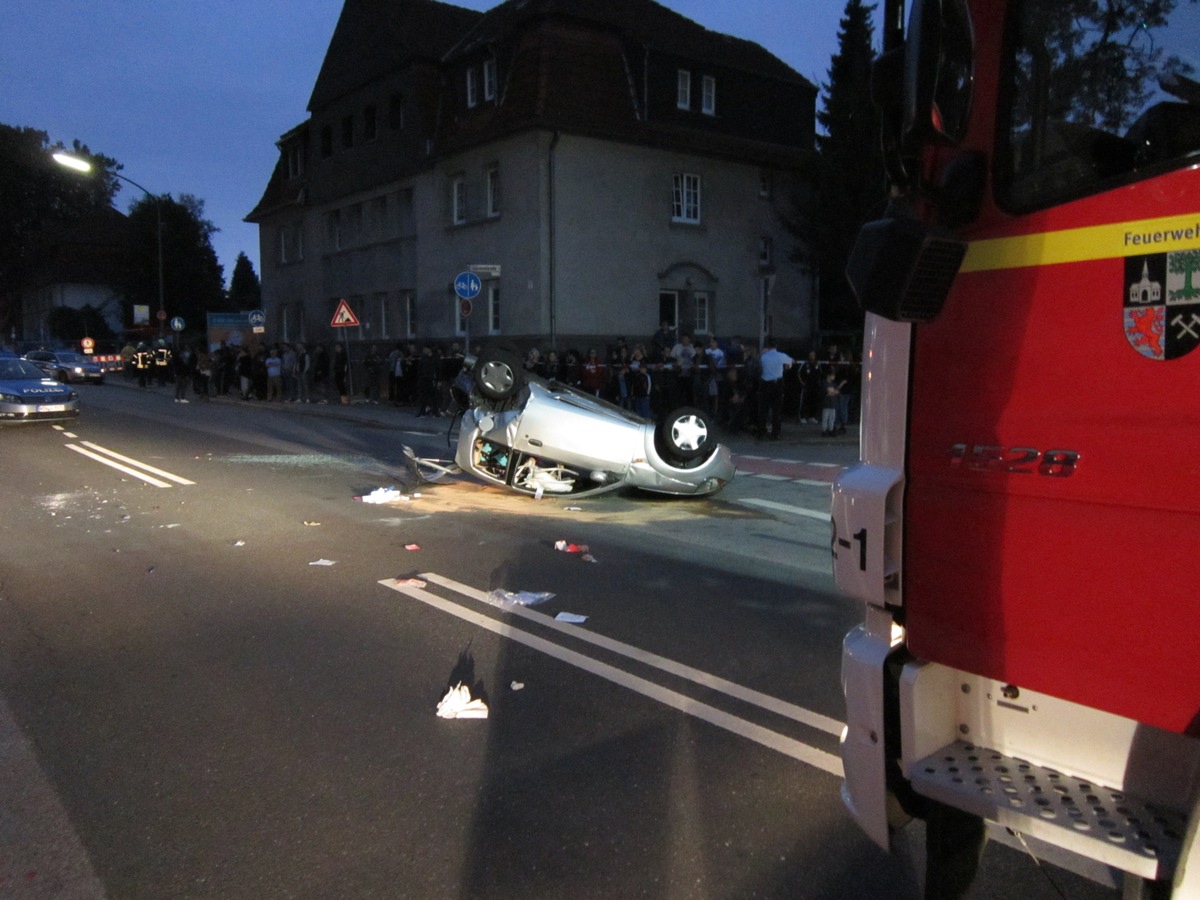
376 37
650 24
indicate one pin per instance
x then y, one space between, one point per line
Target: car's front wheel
498 374
686 434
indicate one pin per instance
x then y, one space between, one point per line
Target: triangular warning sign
343 315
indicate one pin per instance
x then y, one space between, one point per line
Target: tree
70 325
851 185
245 292
1092 59
36 195
192 279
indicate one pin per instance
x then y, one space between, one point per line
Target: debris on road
322 562
581 549
382 495
458 704
411 582
412 546
517 685
306 522
519 598
573 618
239 543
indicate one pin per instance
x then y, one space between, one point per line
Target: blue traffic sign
177 323
467 285
258 318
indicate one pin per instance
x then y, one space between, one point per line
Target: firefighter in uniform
162 363
143 361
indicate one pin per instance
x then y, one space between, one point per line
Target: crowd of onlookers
725 378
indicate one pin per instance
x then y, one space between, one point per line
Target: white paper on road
458 704
573 618
322 562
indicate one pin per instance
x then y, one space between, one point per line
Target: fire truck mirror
939 71
902 270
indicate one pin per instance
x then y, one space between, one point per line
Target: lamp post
82 165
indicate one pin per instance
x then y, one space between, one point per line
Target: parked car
27 394
538 436
66 365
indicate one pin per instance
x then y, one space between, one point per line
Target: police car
27 394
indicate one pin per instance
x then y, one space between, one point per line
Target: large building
604 165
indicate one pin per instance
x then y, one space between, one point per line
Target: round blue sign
177 323
467 285
258 318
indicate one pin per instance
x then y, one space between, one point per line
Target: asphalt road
196 708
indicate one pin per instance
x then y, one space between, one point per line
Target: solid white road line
704 679
784 507
819 759
128 470
133 462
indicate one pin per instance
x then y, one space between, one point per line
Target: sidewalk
387 415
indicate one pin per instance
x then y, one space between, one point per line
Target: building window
489 80
493 191
683 89
764 251
334 228
291 244
379 217
326 141
379 307
460 321
458 200
708 95
472 89
369 132
354 224
685 201
764 185
347 132
410 313
396 112
493 310
295 160
700 307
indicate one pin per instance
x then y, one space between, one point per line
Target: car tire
685 435
498 374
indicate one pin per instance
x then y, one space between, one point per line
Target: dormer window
489 80
472 88
683 89
294 155
708 95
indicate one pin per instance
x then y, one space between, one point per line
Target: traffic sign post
467 285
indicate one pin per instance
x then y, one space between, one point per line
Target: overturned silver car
537 436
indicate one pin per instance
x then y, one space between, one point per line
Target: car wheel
498 374
685 435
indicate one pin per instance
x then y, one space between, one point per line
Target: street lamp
82 165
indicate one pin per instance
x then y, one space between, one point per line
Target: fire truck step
1108 825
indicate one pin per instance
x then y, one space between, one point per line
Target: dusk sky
191 96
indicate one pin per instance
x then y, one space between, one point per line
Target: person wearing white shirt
770 394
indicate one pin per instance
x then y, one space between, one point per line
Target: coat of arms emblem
1161 306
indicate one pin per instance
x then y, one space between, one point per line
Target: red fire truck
1023 527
